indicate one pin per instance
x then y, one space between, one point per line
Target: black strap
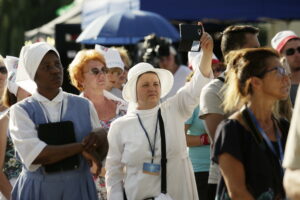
163 154
221 79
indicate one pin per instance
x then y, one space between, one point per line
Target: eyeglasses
292 51
280 71
3 70
95 71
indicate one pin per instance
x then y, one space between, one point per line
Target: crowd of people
211 129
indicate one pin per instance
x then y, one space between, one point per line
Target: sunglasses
292 51
3 70
280 71
95 71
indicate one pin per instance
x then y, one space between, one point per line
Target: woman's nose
55 69
286 78
152 87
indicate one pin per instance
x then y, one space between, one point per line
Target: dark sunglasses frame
96 71
3 70
292 51
280 70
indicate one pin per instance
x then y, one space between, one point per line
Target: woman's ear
255 82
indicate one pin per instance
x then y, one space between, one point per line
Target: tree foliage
18 16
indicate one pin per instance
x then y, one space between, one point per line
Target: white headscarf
112 57
129 91
11 64
30 59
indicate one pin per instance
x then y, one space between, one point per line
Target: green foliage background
18 16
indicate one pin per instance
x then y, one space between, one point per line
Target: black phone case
188 34
59 133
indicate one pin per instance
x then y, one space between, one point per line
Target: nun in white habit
49 104
134 156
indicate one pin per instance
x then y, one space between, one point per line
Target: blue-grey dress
75 184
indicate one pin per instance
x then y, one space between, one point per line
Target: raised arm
187 98
207 46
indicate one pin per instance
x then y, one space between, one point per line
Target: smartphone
190 35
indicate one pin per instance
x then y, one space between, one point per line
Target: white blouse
129 149
23 131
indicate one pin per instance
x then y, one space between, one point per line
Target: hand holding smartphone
190 35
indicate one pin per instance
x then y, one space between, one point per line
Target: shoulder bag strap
163 154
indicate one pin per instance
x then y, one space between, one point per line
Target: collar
147 112
59 97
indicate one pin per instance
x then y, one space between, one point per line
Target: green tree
18 16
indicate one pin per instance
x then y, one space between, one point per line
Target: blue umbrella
127 27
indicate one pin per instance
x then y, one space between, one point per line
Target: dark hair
154 48
234 37
242 65
8 98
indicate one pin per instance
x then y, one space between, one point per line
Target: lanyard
152 149
46 114
267 140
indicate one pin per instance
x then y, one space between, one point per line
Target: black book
59 133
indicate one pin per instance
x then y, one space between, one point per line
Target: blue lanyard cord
147 135
266 138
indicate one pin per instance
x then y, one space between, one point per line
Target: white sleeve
210 102
114 167
187 98
94 116
24 136
292 149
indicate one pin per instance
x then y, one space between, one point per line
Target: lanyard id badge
150 167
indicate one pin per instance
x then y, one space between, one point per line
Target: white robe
129 149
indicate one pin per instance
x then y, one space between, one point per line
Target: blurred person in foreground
56 134
10 165
233 38
291 158
133 164
287 43
249 145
